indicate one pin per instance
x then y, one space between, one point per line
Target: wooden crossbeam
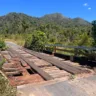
62 65
32 65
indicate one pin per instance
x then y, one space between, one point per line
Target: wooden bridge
40 74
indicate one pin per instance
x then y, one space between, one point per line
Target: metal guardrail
89 52
75 47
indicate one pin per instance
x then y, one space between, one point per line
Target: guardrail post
75 54
71 58
54 50
44 48
75 51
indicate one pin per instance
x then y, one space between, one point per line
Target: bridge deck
62 65
82 87
57 86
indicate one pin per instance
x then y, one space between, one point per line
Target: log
4 52
7 57
62 65
13 73
23 63
8 65
32 65
12 55
10 69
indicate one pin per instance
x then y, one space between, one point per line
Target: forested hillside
19 23
56 27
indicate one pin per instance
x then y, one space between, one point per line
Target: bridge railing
89 52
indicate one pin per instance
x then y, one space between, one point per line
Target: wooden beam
10 69
13 73
62 65
32 65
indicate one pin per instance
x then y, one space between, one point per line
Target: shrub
28 41
5 88
2 44
1 63
39 40
36 41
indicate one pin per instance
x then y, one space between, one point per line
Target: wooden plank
10 69
36 68
54 62
63 65
13 73
9 65
23 63
12 55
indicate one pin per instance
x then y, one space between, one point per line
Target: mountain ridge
21 22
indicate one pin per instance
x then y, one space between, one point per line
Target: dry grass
19 42
5 88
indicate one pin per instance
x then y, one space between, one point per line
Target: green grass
2 44
2 62
20 42
5 88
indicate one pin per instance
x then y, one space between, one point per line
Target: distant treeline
51 29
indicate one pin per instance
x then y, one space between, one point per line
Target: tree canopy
55 27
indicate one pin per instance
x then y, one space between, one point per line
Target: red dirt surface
20 80
25 77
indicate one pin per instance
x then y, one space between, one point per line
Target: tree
94 32
39 40
28 41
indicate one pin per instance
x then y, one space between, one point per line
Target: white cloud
89 8
85 4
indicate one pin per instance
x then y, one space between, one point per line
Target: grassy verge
2 44
5 88
2 62
19 41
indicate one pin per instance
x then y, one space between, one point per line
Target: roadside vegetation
34 33
49 29
2 44
5 88
36 41
2 47
2 61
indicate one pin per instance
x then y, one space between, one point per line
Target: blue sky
85 9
